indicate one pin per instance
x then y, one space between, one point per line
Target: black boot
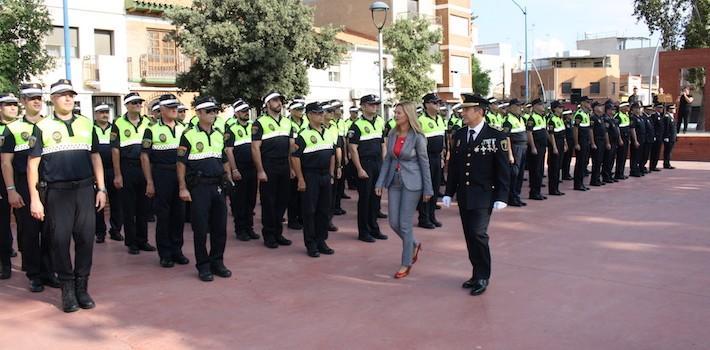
69 303
82 294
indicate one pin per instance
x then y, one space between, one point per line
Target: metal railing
159 68
90 69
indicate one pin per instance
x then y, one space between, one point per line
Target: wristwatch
102 189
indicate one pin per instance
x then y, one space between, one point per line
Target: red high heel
403 274
416 253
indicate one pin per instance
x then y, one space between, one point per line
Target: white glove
498 205
446 201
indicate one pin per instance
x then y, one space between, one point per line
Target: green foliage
412 45
247 48
23 26
681 23
481 80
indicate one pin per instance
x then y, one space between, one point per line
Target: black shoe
313 253
436 223
567 178
332 228
253 235
146 247
181 259
427 225
295 226
619 177
133 250
165 262
271 245
558 193
437 207
69 302
205 276
655 169
243 236
367 239
668 167
281 240
479 287
116 236
515 204
51 281
339 211
100 239
576 188
13 253
345 196
635 175
595 184
469 284
537 197
5 272
221 271
325 249
381 215
36 285
82 293
379 235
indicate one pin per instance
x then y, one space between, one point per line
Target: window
598 64
558 64
594 88
159 46
458 25
413 7
334 74
103 40
566 88
460 64
573 64
55 42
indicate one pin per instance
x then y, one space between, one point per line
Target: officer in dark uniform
202 171
638 139
314 164
623 120
33 238
270 148
350 172
126 138
650 138
479 175
582 142
295 221
514 127
66 146
243 197
330 126
342 161
600 144
103 127
569 135
558 146
158 161
8 114
434 129
669 137
537 129
659 131
612 128
366 149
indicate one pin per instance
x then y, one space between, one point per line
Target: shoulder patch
351 133
147 143
504 145
181 151
31 141
254 129
497 127
114 136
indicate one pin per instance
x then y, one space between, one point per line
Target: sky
554 26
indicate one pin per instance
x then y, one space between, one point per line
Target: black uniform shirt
242 153
105 148
367 148
598 127
638 124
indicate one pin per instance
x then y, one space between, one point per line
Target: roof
355 39
154 6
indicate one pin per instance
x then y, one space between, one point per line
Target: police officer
434 129
295 221
102 128
479 175
154 112
314 164
558 146
659 131
182 110
514 127
650 138
330 126
126 138
340 161
600 143
270 148
494 117
623 120
366 149
638 139
669 137
582 142
8 115
569 136
350 172
537 140
202 169
66 146
243 197
158 162
612 128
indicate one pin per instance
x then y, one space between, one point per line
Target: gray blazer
413 164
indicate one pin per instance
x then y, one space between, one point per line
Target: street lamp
379 11
527 76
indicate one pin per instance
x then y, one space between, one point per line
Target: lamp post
379 9
67 41
527 75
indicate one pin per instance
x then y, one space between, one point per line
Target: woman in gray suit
405 174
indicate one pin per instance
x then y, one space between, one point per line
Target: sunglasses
135 102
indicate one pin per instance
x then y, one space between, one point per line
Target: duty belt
131 162
70 185
159 166
204 180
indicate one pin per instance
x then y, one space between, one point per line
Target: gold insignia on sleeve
31 142
504 145
181 151
147 143
226 136
25 135
351 134
254 129
114 136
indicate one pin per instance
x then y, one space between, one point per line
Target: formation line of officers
60 171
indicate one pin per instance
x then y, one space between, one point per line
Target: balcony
99 73
157 69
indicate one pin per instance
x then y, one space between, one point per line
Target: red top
398 145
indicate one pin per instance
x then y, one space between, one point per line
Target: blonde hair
410 110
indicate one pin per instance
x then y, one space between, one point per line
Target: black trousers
339 191
475 230
554 163
667 153
316 209
243 201
136 206
209 216
115 208
567 159
36 245
427 210
70 214
646 156
608 165
636 155
597 161
351 175
170 213
517 171
5 232
537 166
682 119
621 153
580 163
275 195
294 203
655 153
368 202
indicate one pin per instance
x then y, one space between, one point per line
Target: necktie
471 135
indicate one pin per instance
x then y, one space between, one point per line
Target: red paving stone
620 267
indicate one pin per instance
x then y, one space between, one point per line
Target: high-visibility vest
165 138
271 128
516 125
559 124
56 138
368 131
315 142
203 146
21 130
432 127
624 120
242 134
129 133
539 122
586 122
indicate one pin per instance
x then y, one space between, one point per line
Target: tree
412 45
681 23
481 79
247 48
23 26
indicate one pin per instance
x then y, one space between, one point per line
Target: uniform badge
272 127
367 129
254 129
32 141
431 125
531 122
199 146
25 135
226 136
240 133
162 137
127 133
181 151
351 133
114 136
504 145
57 136
146 143
314 139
